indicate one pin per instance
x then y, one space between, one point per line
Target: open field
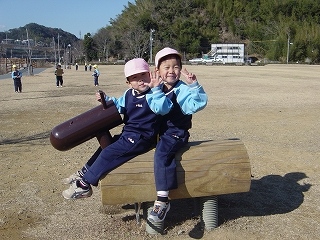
273 109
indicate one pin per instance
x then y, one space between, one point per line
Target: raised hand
155 79
190 77
98 95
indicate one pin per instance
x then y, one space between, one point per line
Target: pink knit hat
165 52
134 66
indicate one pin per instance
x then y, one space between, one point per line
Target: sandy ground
273 109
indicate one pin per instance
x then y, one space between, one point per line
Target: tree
136 42
89 48
104 42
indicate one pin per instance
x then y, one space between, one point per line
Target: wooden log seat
204 168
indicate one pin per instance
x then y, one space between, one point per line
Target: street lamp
69 56
288 50
151 40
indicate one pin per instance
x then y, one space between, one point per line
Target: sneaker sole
77 196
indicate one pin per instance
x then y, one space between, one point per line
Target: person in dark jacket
59 78
16 76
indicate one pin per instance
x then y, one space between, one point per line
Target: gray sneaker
72 178
76 192
159 211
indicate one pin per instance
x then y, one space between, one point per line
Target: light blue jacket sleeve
19 74
158 102
118 102
191 98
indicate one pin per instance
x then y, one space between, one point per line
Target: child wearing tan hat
95 75
59 75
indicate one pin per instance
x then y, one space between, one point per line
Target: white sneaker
76 192
72 178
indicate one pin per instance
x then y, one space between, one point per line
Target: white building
225 53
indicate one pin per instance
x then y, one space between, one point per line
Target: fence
6 64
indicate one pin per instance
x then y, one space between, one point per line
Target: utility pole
29 54
55 53
58 49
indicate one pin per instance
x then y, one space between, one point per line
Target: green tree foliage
90 49
191 26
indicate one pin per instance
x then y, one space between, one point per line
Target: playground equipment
94 123
205 169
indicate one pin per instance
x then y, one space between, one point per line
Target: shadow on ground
272 194
26 139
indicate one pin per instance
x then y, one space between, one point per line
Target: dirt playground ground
273 109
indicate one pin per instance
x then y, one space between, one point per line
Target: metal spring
209 212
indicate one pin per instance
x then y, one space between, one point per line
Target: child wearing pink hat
142 106
187 97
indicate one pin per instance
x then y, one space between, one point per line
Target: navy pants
164 161
59 80
17 85
103 161
96 81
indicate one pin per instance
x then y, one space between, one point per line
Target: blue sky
72 16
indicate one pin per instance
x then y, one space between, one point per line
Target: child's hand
155 79
190 77
98 95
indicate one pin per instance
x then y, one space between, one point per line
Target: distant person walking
90 67
16 76
59 72
96 75
77 66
